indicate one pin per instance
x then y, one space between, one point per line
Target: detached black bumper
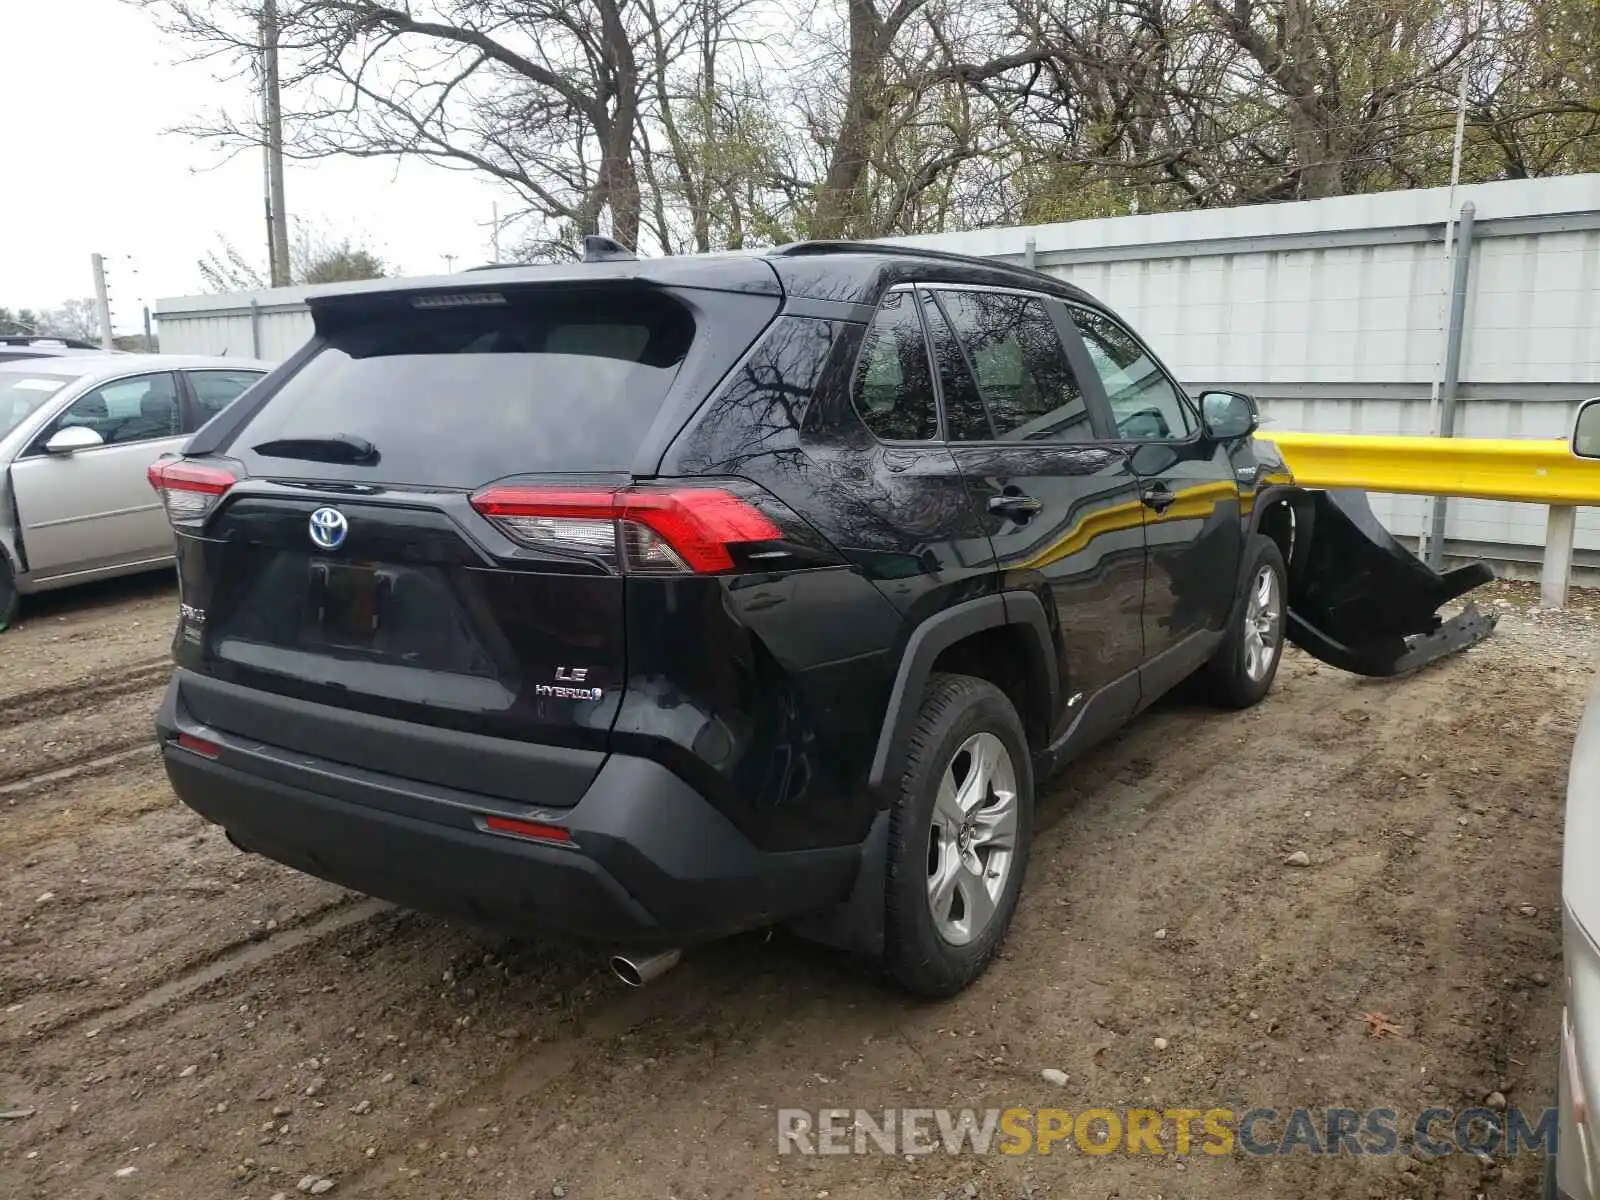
1361 601
651 862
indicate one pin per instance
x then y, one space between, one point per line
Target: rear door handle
1018 507
1159 497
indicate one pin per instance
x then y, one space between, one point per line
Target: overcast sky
88 91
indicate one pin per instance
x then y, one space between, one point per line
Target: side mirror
1586 429
71 438
1228 415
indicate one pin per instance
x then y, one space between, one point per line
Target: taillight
189 490
646 530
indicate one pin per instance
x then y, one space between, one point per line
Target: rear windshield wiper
340 448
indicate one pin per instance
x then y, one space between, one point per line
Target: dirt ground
190 1022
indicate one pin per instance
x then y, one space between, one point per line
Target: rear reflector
655 531
534 830
189 490
199 745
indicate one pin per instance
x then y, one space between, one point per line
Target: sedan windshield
21 392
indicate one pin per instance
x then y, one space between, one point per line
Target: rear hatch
429 519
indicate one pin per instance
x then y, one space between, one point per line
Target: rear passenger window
893 387
215 390
1145 404
1014 357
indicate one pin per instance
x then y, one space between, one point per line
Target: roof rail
604 249
45 339
803 249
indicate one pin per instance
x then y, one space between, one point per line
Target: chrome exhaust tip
636 970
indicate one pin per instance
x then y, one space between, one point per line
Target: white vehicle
1576 1171
78 433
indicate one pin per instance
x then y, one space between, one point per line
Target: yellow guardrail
1538 471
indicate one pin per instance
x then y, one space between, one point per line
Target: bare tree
76 318
20 321
692 125
315 256
1543 117
542 95
1348 73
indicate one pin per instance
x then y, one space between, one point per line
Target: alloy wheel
1263 625
972 839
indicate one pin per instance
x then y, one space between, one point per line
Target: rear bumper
651 862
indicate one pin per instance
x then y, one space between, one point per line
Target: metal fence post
255 329
1557 570
1030 252
1452 367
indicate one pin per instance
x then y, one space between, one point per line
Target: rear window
460 396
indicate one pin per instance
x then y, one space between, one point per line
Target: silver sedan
77 435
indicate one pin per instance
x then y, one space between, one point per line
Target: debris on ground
1380 1024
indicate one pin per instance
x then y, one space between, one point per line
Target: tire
9 599
962 723
1237 676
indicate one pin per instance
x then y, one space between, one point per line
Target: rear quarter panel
781 681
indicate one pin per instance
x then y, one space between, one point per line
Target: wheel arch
1003 638
1284 514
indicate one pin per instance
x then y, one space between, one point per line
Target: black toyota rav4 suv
651 601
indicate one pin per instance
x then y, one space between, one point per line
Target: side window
129 410
215 390
893 388
1145 404
1022 377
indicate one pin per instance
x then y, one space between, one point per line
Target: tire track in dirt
52 735
120 753
217 965
58 699
93 760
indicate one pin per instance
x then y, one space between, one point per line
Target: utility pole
1434 532
102 304
494 231
272 141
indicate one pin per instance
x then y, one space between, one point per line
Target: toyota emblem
329 528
